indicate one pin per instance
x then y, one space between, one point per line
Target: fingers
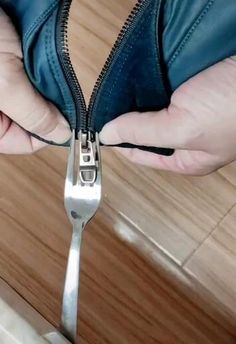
168 128
195 163
15 140
18 98
25 106
9 40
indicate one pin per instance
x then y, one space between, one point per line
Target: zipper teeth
64 55
125 29
84 117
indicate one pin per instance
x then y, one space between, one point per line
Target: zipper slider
89 158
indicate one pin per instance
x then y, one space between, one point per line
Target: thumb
166 128
25 106
18 98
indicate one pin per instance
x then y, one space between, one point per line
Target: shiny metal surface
82 199
55 338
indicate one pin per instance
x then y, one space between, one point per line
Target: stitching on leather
157 47
129 49
39 19
51 61
54 66
191 31
48 53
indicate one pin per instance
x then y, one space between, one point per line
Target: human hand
22 108
200 124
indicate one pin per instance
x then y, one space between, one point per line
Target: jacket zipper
84 116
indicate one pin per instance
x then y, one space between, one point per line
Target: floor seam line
207 237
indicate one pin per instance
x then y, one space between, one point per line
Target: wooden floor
159 259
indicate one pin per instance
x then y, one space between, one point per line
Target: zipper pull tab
89 158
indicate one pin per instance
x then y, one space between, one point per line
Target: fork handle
71 289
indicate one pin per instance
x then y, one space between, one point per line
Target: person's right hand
200 124
22 108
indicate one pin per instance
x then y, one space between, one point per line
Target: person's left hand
22 108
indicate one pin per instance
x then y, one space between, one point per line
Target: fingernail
107 135
62 132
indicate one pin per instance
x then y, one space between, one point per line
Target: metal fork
82 199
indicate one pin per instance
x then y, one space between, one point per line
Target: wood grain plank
214 263
229 173
175 212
